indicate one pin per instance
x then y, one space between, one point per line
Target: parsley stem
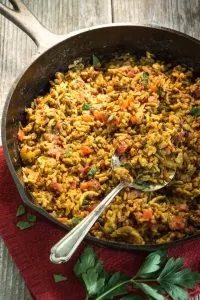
112 289
142 280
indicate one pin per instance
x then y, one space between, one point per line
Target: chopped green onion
92 171
20 210
145 77
86 106
59 278
195 111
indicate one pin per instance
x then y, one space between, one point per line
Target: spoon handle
64 249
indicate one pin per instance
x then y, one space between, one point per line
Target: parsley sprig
157 277
195 111
30 219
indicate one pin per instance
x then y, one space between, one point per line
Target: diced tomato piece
20 135
90 185
147 214
84 186
131 73
177 223
121 148
91 208
73 185
84 170
153 88
57 186
56 139
102 164
86 150
134 120
100 115
88 118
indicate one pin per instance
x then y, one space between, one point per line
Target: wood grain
181 15
16 50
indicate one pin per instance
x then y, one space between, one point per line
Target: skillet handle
21 16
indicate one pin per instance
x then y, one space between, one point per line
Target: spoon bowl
145 187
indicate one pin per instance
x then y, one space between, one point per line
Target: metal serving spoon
64 249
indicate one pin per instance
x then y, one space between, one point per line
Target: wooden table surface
63 16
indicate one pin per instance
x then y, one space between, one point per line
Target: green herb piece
186 278
143 185
24 225
74 221
195 111
95 61
115 285
97 281
92 171
20 210
86 106
31 218
148 290
152 264
67 152
145 78
163 277
132 297
59 278
85 202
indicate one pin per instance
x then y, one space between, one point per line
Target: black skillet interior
167 45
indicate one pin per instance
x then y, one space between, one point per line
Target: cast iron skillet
55 53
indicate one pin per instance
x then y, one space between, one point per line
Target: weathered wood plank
16 50
12 285
181 15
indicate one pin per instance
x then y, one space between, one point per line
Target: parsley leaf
143 185
20 210
175 292
171 266
95 61
149 291
152 264
145 78
195 111
164 276
59 278
86 106
186 278
92 171
92 281
116 285
24 225
31 218
86 261
91 271
132 297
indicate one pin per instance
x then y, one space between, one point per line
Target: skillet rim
21 189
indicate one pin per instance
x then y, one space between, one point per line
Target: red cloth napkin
30 250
